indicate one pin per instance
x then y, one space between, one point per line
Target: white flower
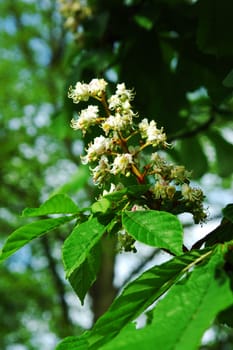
156 136
100 145
120 101
87 118
97 87
100 172
82 91
143 126
126 106
153 135
114 102
79 92
123 93
117 123
109 124
121 163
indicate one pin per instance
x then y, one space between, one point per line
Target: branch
189 133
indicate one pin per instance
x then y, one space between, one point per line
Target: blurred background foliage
178 57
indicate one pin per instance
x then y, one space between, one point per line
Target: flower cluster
113 156
82 92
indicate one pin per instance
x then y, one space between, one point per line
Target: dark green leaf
83 277
58 204
27 233
222 233
134 190
156 228
228 212
225 317
79 244
215 28
137 190
228 81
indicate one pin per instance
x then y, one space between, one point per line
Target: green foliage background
176 54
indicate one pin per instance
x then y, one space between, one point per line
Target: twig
193 132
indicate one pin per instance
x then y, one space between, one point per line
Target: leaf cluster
196 285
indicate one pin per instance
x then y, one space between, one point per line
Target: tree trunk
103 291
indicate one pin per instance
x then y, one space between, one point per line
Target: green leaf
116 195
134 190
228 80
215 27
27 233
183 315
84 276
228 212
101 206
137 190
135 298
57 204
143 22
156 228
78 245
71 343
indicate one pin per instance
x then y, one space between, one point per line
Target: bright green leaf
135 298
27 233
156 228
71 343
183 315
58 204
101 206
79 244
